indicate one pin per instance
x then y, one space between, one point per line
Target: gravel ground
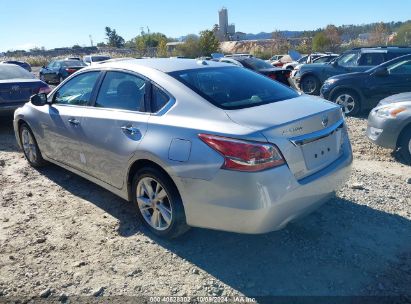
61 235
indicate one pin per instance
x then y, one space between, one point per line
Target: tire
30 147
290 67
164 217
404 145
310 85
349 101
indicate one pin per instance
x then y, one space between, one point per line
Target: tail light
70 71
242 155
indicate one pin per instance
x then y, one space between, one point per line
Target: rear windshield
99 58
233 87
14 71
257 64
72 63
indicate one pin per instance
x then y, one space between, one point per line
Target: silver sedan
191 143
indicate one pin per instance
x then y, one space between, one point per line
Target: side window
371 59
348 60
159 99
78 90
400 68
122 91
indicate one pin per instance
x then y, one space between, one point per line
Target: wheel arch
406 128
141 163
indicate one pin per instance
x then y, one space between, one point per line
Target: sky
25 24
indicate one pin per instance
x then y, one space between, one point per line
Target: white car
93 59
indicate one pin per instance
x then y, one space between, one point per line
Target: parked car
275 58
22 64
389 124
192 143
58 70
262 67
293 64
362 91
93 59
311 77
16 87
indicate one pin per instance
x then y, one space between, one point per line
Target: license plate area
323 151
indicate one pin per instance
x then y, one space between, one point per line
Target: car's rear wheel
159 204
405 145
349 101
30 148
310 85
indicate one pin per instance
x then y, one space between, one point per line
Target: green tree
321 43
190 48
113 39
208 43
162 48
404 34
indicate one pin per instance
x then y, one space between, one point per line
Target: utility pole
91 40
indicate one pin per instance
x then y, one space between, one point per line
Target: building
226 31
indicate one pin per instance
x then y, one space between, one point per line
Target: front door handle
130 129
74 121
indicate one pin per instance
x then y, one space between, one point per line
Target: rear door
63 120
115 126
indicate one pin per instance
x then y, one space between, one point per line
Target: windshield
14 71
257 64
234 88
302 59
99 58
70 63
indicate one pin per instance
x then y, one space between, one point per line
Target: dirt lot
62 235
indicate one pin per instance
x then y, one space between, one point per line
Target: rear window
234 88
256 64
72 63
99 58
14 71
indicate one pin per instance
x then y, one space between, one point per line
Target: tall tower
223 21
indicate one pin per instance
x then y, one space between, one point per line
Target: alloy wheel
154 203
346 101
29 145
409 146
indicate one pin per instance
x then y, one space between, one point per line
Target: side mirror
39 99
381 72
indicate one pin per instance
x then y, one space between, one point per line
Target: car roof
165 65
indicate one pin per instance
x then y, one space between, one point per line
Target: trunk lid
307 130
18 90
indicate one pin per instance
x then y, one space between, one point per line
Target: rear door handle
74 121
130 129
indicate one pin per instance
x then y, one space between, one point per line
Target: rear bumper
260 202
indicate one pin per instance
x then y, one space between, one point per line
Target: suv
311 77
92 59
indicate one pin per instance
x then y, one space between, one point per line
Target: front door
63 129
114 128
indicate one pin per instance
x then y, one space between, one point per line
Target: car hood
288 118
395 98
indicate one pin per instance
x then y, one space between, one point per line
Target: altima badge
324 121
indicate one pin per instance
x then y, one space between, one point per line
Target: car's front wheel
310 85
159 204
349 101
405 145
30 148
